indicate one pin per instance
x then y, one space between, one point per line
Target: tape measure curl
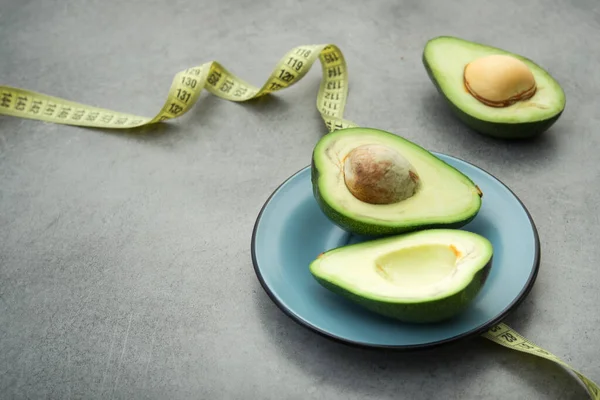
183 94
185 90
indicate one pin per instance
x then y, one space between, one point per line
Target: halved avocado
419 277
372 182
493 91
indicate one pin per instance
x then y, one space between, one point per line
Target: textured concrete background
125 266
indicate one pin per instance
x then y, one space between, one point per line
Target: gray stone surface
125 267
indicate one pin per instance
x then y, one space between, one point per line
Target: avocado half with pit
374 183
493 91
419 277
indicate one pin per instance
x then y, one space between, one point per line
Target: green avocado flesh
418 277
445 59
444 197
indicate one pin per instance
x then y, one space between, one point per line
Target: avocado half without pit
419 277
372 182
493 91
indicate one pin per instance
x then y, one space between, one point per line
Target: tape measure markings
184 93
185 90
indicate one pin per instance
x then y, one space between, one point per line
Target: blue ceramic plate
291 231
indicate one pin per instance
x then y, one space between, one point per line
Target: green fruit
494 92
372 182
419 277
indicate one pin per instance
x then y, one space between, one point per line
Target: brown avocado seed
377 174
499 80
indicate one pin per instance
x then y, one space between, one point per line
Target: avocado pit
499 80
376 174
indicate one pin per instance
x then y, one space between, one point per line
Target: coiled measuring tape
183 94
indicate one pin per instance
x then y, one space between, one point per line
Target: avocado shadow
539 150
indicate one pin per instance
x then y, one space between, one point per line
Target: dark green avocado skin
423 312
362 229
523 130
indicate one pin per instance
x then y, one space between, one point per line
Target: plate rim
477 331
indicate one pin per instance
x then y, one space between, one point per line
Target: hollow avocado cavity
419 266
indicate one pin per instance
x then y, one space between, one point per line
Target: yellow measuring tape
507 337
185 90
183 94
